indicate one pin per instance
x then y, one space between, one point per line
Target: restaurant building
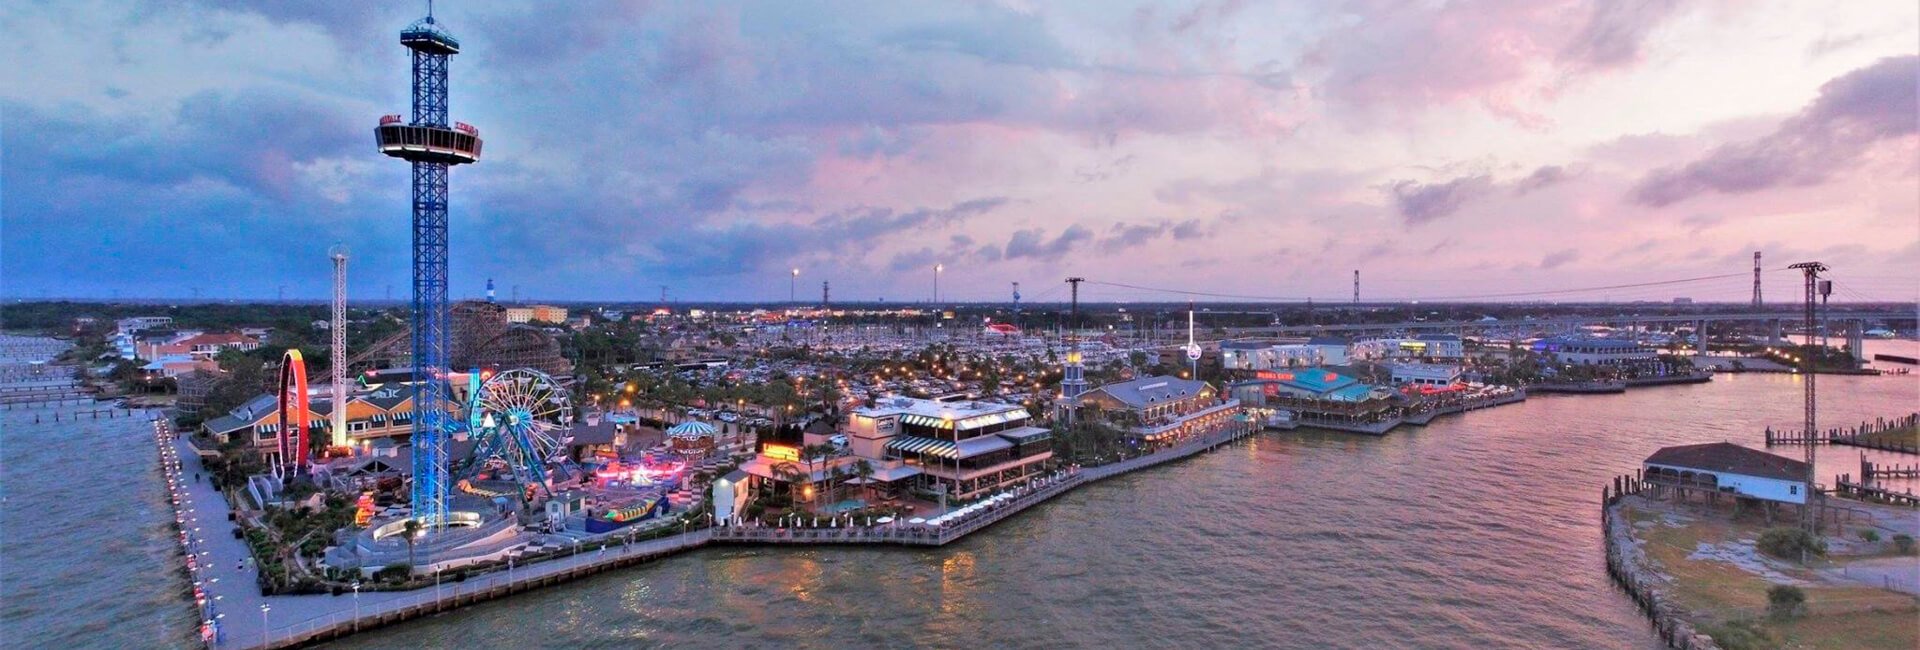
1159 411
962 449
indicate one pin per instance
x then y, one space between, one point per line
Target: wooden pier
1419 418
925 535
379 609
1856 436
1845 486
1871 471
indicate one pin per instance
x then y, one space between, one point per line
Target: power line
1511 294
1208 294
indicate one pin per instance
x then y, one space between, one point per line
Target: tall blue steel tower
432 146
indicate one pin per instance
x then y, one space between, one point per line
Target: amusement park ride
432 146
519 420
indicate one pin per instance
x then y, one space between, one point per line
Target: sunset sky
1446 149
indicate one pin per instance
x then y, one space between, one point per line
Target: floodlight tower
338 363
1809 389
432 146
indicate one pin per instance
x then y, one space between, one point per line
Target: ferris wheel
520 420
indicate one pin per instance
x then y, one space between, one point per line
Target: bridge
1854 323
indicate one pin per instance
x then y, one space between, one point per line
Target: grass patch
1733 601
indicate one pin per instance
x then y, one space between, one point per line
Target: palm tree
409 531
788 473
864 470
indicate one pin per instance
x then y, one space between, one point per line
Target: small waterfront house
1728 468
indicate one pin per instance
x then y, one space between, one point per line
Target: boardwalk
222 572
928 535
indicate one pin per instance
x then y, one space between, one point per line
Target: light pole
356 605
263 624
793 286
937 268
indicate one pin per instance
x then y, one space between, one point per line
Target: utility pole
1356 286
1809 389
1073 379
826 293
1756 280
663 295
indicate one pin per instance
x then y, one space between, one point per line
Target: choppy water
86 557
1478 531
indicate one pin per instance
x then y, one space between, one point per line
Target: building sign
886 426
781 452
1413 345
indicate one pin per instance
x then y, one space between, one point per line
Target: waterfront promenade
223 570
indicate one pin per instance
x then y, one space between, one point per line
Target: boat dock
1419 418
1862 436
1871 471
1845 486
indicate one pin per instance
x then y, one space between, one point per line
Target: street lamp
937 268
793 286
263 624
356 605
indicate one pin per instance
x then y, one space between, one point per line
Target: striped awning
991 419
923 446
923 420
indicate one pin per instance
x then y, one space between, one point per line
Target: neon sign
781 452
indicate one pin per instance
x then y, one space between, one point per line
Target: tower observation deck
432 146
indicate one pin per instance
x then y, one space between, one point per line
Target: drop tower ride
432 146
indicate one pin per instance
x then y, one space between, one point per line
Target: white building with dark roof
1727 468
1159 409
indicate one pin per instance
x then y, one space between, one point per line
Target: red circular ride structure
295 412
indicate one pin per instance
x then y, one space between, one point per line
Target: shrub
1788 542
397 572
1739 635
1784 601
1869 535
1904 542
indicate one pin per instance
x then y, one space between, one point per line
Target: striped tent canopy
692 430
924 446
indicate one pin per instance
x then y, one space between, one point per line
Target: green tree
1784 601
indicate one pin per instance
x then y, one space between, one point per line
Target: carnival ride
616 518
519 420
295 416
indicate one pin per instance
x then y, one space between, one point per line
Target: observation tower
432 146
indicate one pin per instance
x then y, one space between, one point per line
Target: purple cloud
1032 243
1541 178
1852 113
1421 203
1615 32
1559 258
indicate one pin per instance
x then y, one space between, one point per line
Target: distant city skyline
1445 149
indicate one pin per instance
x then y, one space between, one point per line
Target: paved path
1897 573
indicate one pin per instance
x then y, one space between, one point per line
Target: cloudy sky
1253 148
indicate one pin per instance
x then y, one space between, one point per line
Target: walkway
243 618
